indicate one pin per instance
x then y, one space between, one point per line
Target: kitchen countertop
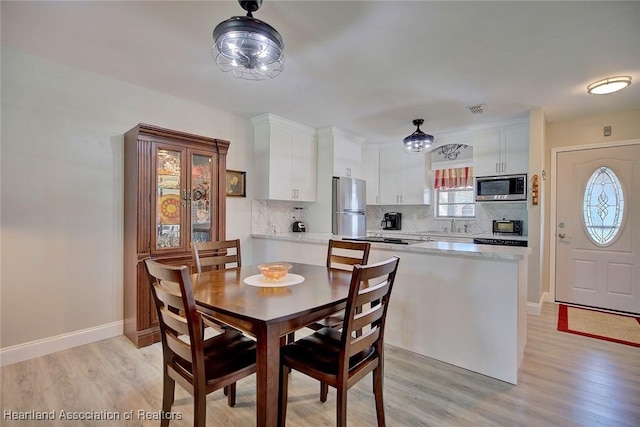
433 247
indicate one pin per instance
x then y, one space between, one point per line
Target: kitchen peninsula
459 303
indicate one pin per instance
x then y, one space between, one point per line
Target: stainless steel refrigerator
349 207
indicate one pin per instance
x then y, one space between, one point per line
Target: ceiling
368 67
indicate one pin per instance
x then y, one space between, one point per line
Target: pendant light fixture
609 85
418 141
247 47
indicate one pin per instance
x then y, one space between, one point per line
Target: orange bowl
275 270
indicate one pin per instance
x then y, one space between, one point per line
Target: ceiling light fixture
418 141
609 85
247 47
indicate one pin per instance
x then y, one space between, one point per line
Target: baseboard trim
536 307
29 350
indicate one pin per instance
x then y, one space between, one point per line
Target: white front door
597 230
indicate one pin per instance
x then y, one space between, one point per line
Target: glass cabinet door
168 201
201 200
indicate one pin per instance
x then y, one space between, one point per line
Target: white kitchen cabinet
370 172
402 177
340 152
501 151
285 159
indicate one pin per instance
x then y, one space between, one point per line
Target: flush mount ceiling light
247 47
418 141
609 85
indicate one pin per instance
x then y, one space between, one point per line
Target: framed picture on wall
236 183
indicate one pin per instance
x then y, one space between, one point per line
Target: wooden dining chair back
341 358
216 255
344 254
200 366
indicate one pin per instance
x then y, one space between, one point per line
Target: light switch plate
607 131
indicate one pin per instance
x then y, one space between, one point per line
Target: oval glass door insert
603 206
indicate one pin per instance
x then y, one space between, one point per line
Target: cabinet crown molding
269 118
332 130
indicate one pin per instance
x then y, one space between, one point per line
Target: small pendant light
248 48
418 141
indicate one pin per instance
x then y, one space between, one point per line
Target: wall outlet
607 131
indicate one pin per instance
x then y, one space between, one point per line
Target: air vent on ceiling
477 109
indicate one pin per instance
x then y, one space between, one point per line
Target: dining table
269 311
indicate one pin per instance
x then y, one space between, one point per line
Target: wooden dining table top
224 291
269 313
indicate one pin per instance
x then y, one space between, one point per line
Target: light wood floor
565 380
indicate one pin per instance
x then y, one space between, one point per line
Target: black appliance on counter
505 226
500 242
391 221
298 227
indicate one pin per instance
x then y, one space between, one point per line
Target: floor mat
601 325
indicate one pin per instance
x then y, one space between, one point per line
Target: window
455 203
603 206
454 193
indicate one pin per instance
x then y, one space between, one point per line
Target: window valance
454 178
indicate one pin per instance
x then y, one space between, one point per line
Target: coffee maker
391 221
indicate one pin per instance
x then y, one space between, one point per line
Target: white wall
62 192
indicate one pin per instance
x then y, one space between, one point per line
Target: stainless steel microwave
501 188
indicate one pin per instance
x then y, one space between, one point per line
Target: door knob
562 235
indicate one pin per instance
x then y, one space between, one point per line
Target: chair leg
231 394
200 409
324 391
169 386
341 410
378 386
284 390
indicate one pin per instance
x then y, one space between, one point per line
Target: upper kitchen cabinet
402 177
502 150
339 152
370 172
285 159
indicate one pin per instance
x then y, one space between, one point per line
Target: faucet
453 224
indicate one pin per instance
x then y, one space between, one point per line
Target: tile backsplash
273 216
422 218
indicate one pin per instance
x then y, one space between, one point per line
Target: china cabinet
501 151
174 194
402 177
285 159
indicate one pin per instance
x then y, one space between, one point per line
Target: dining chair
341 254
338 357
214 255
200 366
